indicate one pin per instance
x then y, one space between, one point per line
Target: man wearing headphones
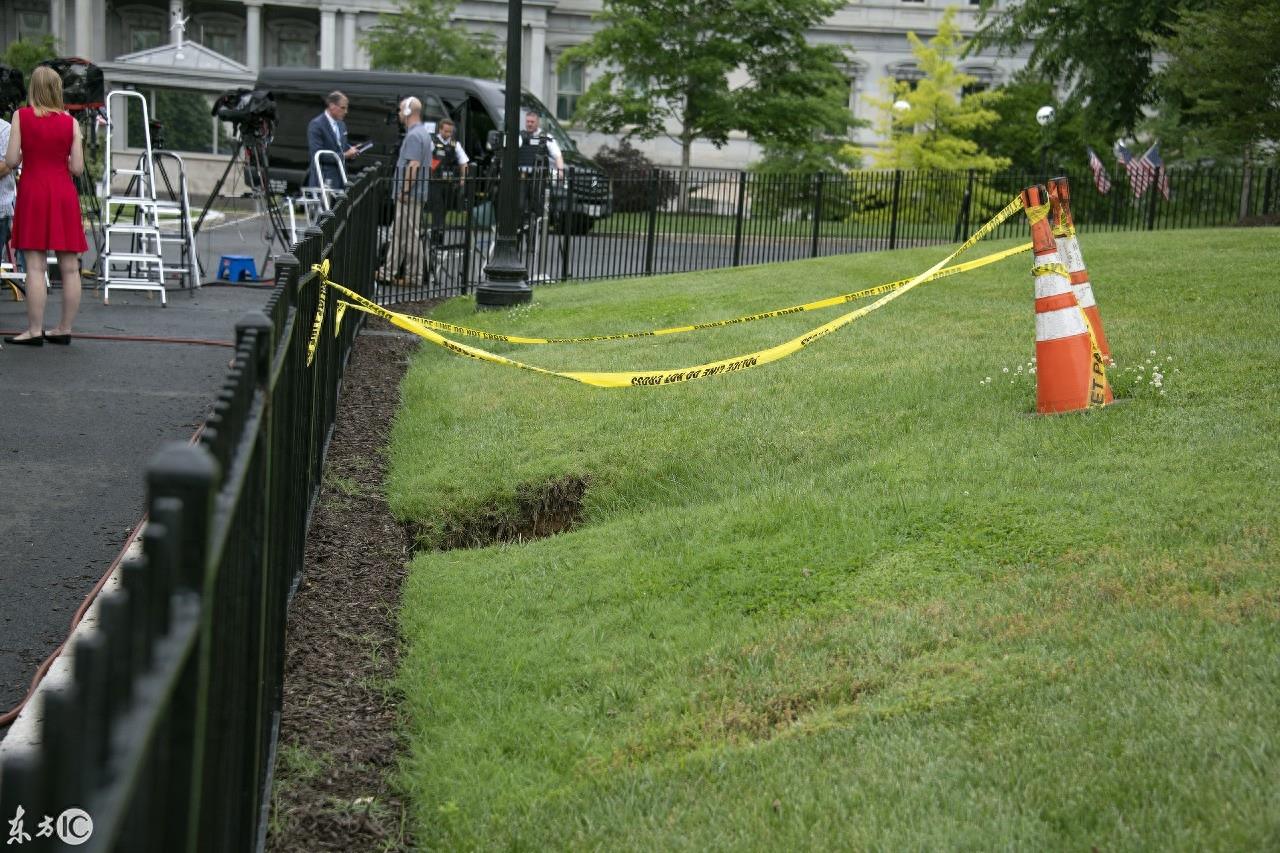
410 191
448 164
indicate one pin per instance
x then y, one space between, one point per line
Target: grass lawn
857 598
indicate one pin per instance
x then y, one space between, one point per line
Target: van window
551 127
476 127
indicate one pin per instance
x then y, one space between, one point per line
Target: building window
985 79
143 28
297 44
296 53
907 74
33 25
222 34
568 89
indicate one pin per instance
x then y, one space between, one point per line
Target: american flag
1100 177
1139 177
1153 165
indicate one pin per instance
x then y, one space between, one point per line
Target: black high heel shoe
33 341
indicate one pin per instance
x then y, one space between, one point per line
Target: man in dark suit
328 132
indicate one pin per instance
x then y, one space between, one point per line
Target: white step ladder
177 236
312 201
136 245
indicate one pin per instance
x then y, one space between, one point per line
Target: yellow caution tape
827 302
632 379
322 270
337 317
1038 213
1050 269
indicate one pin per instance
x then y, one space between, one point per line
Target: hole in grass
538 511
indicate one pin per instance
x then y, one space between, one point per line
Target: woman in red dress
45 140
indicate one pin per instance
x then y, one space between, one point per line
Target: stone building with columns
225 42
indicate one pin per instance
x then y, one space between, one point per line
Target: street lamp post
1044 117
505 280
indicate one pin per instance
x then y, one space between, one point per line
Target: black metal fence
664 220
166 733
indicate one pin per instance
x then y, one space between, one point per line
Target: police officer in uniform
448 167
538 154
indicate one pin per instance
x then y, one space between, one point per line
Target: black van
477 106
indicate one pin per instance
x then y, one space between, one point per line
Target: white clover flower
1004 370
1168 358
1031 370
988 378
1141 368
1161 392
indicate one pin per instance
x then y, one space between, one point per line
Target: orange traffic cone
1069 374
1069 248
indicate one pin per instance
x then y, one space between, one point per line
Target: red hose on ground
142 339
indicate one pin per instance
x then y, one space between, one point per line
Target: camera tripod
254 148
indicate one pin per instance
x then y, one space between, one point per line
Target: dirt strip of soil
339 732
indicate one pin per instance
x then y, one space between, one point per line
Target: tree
1223 74
421 37
934 131
1099 50
1019 138
675 68
25 54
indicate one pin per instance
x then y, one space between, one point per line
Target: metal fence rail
166 733
664 221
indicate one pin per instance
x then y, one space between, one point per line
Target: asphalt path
78 425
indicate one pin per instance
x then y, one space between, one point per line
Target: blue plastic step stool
237 268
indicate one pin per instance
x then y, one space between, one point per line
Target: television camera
82 84
253 113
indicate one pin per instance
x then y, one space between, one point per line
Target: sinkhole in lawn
538 511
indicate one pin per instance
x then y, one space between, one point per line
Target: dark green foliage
1018 137
1101 50
637 184
25 55
668 63
419 36
1223 78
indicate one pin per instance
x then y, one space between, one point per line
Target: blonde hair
45 95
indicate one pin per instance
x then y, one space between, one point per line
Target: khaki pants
407 248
